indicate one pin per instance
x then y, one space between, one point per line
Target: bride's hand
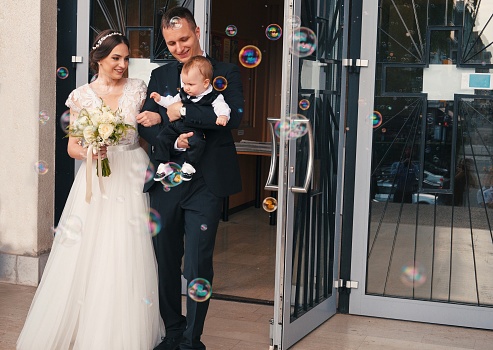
148 118
102 151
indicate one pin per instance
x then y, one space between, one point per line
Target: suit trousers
166 142
190 215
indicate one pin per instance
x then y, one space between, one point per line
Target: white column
28 35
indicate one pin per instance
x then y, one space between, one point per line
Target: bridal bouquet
99 127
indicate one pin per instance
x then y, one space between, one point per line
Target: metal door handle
311 152
273 158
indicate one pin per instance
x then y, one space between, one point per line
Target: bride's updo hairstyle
104 43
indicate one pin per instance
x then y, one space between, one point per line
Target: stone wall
28 38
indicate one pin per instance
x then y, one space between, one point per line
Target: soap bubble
62 73
174 179
220 83
154 222
304 104
273 32
294 22
150 172
41 167
250 56
269 204
376 119
43 117
200 290
303 42
413 275
231 30
292 127
175 22
65 121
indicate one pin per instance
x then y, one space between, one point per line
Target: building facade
384 190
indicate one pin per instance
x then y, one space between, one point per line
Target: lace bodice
130 103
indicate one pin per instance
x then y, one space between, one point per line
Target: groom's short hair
178 11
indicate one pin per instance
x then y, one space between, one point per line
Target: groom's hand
148 118
182 141
173 111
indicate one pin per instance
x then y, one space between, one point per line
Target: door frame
378 306
284 332
201 15
83 42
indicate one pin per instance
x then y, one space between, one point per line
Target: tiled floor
450 247
241 326
244 267
244 256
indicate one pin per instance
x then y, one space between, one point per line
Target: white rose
89 134
105 130
95 117
108 117
105 108
81 122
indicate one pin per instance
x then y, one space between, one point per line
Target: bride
99 288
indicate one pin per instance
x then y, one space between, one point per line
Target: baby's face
193 82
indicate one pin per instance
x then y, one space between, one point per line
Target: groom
189 212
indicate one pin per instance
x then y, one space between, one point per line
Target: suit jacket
219 164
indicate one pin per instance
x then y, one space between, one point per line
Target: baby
196 76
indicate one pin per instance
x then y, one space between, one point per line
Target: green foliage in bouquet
99 127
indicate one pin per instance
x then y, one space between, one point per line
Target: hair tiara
100 41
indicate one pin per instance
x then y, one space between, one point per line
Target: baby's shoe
163 170
187 170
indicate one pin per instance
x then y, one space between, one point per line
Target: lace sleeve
72 101
142 93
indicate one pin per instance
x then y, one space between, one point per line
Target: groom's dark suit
192 208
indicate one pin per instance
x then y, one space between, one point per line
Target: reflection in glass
431 229
443 46
136 15
478 33
396 147
431 188
140 43
443 12
402 31
403 28
438 145
403 79
314 221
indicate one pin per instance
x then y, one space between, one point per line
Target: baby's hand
222 120
155 96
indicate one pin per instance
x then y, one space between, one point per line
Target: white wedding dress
99 289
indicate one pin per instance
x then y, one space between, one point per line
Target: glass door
309 136
424 163
140 21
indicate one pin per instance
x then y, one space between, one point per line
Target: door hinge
354 65
349 62
361 63
76 59
342 285
352 284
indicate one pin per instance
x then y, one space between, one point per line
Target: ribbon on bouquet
89 174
